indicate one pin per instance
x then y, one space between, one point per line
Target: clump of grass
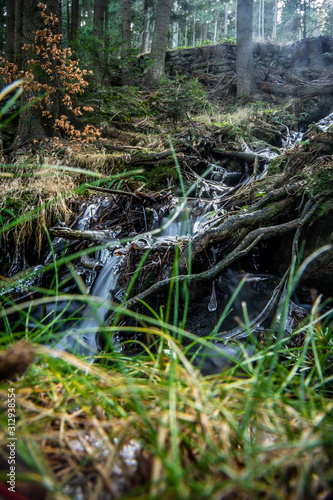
35 191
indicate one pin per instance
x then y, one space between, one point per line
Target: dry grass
44 194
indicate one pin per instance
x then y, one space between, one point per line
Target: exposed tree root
274 205
242 249
282 210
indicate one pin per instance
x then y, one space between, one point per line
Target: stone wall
305 58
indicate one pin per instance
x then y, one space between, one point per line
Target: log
7 284
240 155
300 90
75 234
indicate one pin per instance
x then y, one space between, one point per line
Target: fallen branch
112 191
76 234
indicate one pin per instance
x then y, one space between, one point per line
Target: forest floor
152 425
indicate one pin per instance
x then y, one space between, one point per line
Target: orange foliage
60 78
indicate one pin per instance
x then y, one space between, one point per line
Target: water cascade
83 339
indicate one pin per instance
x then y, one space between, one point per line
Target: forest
166 249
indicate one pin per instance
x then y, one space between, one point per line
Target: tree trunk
244 55
31 123
193 30
259 19
101 8
225 20
146 26
159 43
68 22
275 20
10 31
185 32
2 23
126 50
56 8
175 26
74 19
216 26
18 33
263 21
205 31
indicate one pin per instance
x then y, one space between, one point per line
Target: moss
322 180
31 203
159 177
325 208
277 165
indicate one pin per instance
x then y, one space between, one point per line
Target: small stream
186 218
181 220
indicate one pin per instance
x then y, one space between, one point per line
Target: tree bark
146 26
175 26
225 20
244 55
31 123
74 234
101 8
259 20
263 21
74 20
159 43
193 30
216 25
10 31
126 50
305 5
275 19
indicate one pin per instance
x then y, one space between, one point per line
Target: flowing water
83 339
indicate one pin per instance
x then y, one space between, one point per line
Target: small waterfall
325 123
178 223
84 221
83 339
59 244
